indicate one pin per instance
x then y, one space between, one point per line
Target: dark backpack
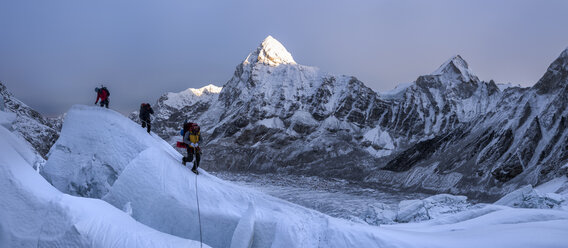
105 89
145 111
144 106
191 127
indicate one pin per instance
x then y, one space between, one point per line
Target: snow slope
161 193
35 214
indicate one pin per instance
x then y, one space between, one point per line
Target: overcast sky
54 53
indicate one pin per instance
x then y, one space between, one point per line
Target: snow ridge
35 214
191 96
208 89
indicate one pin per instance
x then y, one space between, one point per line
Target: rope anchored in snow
198 212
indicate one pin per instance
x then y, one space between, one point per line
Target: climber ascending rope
191 138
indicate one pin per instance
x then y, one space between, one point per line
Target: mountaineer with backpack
191 137
145 111
103 94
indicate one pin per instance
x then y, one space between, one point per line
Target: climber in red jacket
103 94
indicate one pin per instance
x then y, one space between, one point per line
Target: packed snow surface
6 119
148 179
35 214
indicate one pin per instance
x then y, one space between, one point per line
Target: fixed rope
198 212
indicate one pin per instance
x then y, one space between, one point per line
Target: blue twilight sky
54 53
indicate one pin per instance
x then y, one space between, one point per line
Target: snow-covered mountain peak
456 65
190 96
210 88
270 52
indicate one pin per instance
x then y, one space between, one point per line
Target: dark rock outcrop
39 131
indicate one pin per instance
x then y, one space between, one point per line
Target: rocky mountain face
39 131
275 114
446 132
440 102
519 140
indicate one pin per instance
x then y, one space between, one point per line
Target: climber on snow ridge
103 94
145 111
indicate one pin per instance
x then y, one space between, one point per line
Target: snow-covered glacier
102 154
35 214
